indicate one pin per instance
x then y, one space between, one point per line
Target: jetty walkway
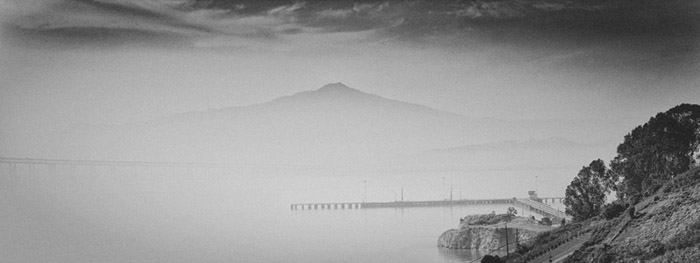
540 208
522 203
397 204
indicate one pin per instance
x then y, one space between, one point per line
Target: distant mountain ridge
550 142
329 93
333 125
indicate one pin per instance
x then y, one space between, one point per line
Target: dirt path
563 251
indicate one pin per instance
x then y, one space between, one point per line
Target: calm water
79 214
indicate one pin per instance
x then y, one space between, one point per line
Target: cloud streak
555 27
206 19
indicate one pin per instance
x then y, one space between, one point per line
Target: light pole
443 188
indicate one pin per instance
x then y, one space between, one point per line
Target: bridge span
69 162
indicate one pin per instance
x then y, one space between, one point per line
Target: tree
585 196
652 153
511 212
613 210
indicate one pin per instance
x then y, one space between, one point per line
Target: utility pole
507 250
443 188
451 193
402 194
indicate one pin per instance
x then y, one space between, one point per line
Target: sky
72 62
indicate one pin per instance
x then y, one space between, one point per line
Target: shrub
613 210
653 248
546 221
488 219
631 212
609 256
682 181
685 239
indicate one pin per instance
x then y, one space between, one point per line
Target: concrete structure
540 208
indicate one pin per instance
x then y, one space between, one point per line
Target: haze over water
140 216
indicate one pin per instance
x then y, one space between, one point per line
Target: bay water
142 214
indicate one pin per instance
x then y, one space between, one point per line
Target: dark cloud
124 9
70 37
542 18
576 31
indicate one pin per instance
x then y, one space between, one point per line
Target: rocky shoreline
488 232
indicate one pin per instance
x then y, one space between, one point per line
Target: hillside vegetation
664 228
656 216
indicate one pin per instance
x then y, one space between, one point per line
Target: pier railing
523 203
397 204
540 208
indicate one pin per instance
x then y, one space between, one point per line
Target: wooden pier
397 204
522 203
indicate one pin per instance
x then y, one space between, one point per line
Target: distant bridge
33 164
34 161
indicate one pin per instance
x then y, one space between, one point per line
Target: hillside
666 228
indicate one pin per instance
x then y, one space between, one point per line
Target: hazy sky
65 62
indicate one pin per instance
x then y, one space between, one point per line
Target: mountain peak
333 91
336 87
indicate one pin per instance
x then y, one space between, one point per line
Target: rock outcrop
488 232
